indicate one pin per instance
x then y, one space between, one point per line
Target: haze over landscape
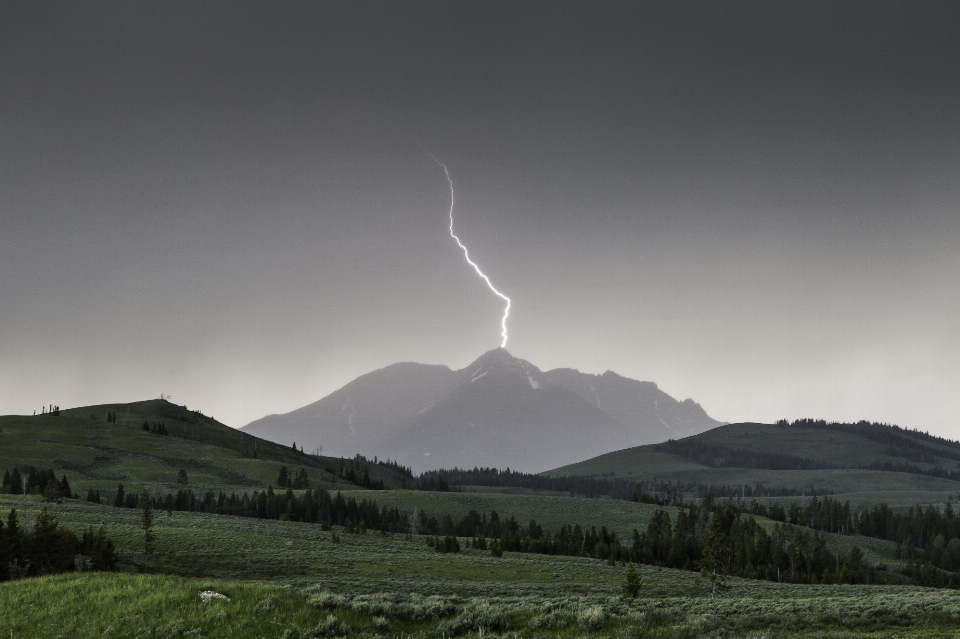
739 202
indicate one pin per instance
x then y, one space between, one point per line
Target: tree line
51 410
397 467
49 548
924 535
713 536
310 506
896 438
156 428
645 491
572 485
719 538
38 481
719 456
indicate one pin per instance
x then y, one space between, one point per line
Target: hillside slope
96 453
863 457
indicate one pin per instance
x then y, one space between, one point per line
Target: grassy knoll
95 453
842 459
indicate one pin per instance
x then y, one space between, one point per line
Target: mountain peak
496 358
504 366
498 354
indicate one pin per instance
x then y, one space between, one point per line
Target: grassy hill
867 462
96 453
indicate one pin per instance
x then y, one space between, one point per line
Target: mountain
505 413
500 411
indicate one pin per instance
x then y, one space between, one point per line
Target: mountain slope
355 418
499 411
649 413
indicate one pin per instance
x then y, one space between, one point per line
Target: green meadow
287 579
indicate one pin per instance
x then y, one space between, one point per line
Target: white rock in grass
209 595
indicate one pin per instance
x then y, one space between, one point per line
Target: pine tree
51 492
713 565
632 582
99 549
283 478
14 539
182 476
16 482
118 498
51 549
853 570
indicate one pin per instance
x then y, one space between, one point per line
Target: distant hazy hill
500 411
863 457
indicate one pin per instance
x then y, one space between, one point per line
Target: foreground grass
116 605
292 580
89 605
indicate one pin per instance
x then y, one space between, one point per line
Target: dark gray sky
753 204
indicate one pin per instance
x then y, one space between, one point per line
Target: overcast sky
752 204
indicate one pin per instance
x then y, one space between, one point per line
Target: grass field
156 606
287 579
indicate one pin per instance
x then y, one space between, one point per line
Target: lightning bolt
466 255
